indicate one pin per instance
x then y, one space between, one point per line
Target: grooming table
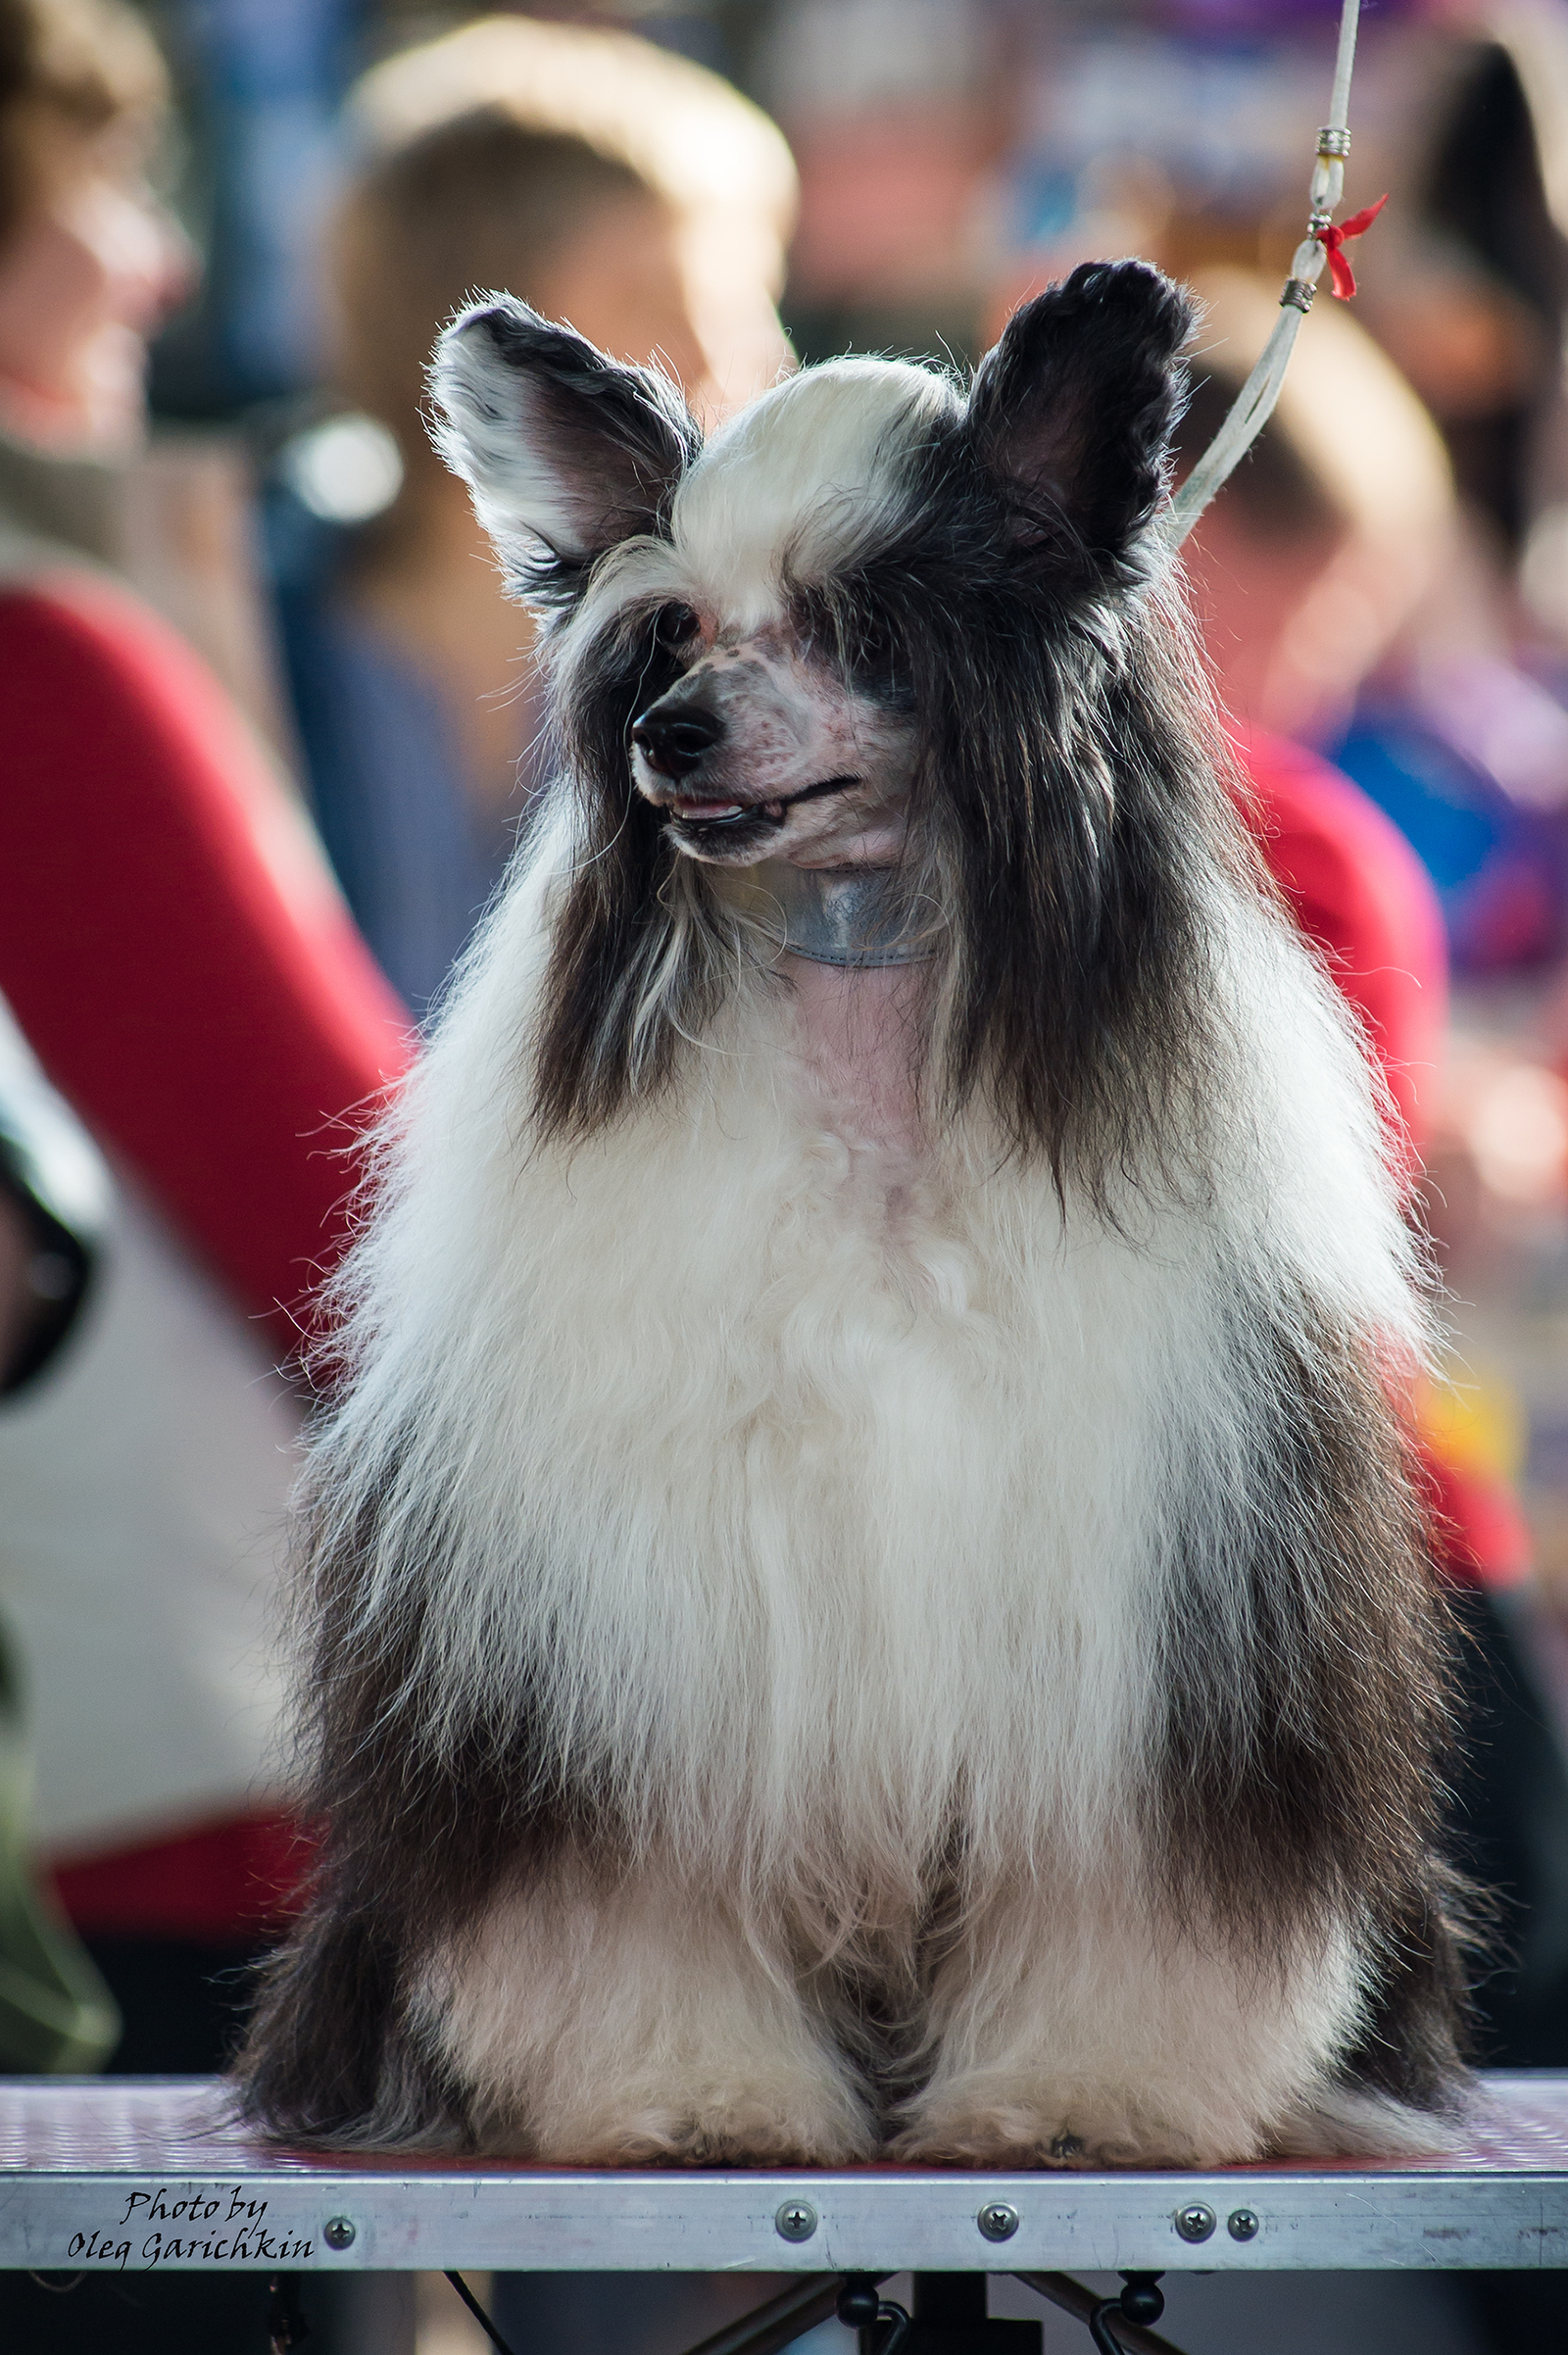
133 2172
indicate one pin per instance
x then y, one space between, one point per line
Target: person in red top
192 984
1360 893
169 941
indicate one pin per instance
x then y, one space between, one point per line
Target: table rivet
1195 2220
796 2220
1242 2225
996 2220
339 2231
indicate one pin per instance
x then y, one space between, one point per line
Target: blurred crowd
269 733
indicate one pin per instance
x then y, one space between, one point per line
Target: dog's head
750 612
876 617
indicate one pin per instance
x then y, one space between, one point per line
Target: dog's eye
673 625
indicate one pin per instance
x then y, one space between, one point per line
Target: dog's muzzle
676 737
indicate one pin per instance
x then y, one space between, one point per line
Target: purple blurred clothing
1470 760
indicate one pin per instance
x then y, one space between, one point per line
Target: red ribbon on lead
1333 239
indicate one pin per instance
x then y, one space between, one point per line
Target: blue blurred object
417 858
1227 115
263 81
1473 770
1223 97
1042 202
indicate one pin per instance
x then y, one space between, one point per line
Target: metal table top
134 2173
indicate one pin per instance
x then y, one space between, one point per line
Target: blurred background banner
260 84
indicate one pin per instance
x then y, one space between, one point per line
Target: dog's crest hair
679 1519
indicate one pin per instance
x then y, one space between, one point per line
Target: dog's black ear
567 452
1074 410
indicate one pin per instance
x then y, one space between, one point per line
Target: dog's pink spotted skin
857 1028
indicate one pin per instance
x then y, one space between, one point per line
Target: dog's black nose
674 742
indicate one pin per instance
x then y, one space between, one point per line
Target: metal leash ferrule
1324 243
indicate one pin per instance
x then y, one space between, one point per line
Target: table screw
339 2231
796 2220
996 2220
1195 2220
1242 2225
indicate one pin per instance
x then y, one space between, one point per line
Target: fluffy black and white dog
865 1590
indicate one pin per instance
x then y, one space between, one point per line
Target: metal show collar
852 917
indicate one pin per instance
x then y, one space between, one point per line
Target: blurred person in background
608 183
181 966
1303 572
1468 294
1333 530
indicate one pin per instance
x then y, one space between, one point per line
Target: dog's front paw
753 2118
748 2125
983 2124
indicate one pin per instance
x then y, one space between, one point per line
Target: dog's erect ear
567 452
1074 410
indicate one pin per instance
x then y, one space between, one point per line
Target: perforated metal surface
133 2173
118 2126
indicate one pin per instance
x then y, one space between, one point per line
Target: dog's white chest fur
786 1450
804 1457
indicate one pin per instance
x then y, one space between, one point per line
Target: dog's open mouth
693 811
